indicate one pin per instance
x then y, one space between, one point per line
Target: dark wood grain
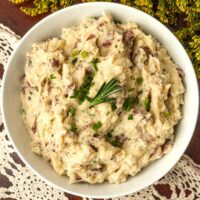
11 16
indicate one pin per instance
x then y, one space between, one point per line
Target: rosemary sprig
105 91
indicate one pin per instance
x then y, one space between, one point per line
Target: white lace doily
18 182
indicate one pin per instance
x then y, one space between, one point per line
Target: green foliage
145 5
17 1
42 6
167 11
190 37
195 45
194 52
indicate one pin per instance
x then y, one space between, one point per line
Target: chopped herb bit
72 112
117 21
115 143
74 60
167 114
130 89
23 111
94 63
82 92
97 126
113 106
30 93
74 129
88 98
139 80
105 91
147 104
129 102
140 92
92 115
108 136
52 76
107 113
29 98
130 117
75 53
84 54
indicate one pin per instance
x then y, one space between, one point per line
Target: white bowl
51 26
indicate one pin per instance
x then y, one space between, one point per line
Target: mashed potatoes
101 101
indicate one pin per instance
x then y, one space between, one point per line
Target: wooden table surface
11 16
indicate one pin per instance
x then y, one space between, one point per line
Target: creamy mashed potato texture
101 101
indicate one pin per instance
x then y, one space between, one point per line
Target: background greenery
174 13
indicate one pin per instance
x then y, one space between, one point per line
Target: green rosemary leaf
105 91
